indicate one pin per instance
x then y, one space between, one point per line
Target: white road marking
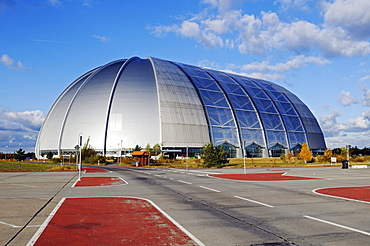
46 222
249 200
14 226
338 225
26 185
209 189
184 182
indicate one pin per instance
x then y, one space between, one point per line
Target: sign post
77 148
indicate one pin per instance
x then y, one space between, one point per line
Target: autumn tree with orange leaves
305 153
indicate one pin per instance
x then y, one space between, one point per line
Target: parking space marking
209 189
249 200
337 225
185 182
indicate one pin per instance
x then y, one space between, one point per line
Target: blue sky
319 50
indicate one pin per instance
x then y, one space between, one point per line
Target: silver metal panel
87 113
49 134
134 115
182 115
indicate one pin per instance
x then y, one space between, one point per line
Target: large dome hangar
181 107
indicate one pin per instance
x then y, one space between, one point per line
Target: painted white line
338 225
176 223
25 185
74 184
209 189
184 182
171 178
14 226
249 200
157 175
46 222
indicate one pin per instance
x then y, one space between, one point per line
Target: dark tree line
353 151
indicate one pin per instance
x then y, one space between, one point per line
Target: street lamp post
187 157
244 154
6 150
80 148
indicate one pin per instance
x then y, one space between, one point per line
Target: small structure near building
141 157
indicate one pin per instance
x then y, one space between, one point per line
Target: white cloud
102 38
293 4
55 2
351 15
364 78
338 134
19 129
294 63
9 63
345 99
27 120
365 96
229 28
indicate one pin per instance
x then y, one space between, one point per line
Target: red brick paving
93 170
111 221
99 181
356 193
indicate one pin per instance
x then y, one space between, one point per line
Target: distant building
181 107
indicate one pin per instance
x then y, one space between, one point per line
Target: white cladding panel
49 135
183 122
87 115
134 118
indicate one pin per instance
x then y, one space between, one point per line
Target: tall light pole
187 157
120 153
80 164
244 154
6 150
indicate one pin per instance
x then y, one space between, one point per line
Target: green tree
213 156
20 155
343 151
156 149
49 155
87 151
148 148
305 153
137 148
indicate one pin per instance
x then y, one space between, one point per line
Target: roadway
227 212
215 211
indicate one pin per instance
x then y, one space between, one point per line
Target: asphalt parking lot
216 211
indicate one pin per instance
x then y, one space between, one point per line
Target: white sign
333 160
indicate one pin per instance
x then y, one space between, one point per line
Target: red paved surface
111 221
259 177
355 193
94 170
99 181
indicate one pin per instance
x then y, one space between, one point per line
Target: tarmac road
215 211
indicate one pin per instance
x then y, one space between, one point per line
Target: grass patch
33 167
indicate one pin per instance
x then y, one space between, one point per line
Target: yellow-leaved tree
305 153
